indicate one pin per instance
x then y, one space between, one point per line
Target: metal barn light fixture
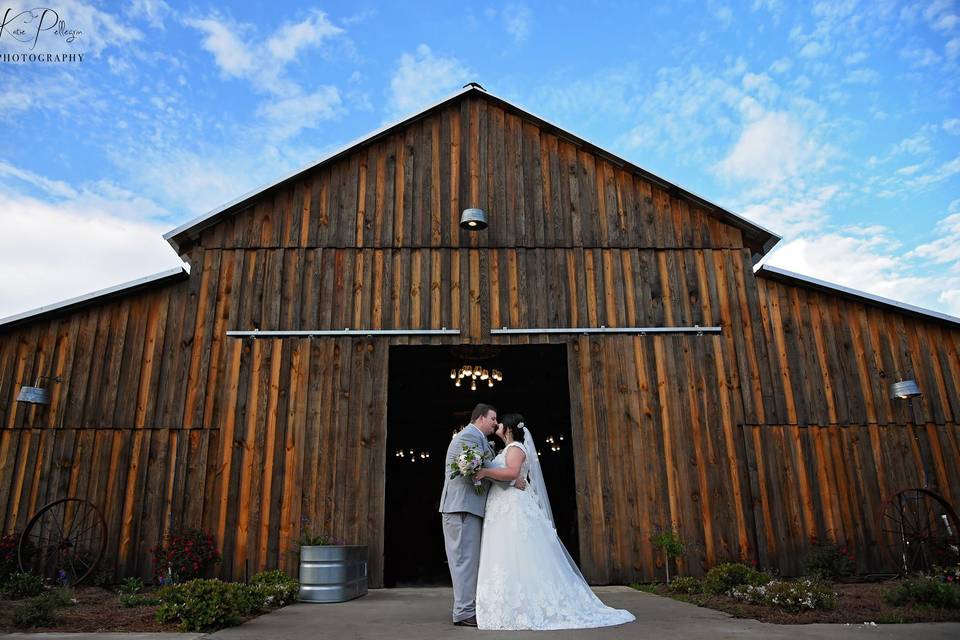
904 389
473 219
472 373
36 394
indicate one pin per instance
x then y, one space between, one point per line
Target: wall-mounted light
904 389
36 394
473 220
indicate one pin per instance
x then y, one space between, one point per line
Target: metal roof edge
155 278
855 293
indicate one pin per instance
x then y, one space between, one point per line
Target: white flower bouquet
467 464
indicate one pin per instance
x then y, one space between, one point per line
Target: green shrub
35 612
22 585
646 588
686 584
248 598
723 577
204 605
829 562
927 592
788 596
129 594
130 586
275 588
41 610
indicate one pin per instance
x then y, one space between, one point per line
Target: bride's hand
481 474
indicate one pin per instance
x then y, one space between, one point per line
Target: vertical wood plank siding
752 442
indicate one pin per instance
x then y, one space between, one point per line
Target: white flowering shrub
803 595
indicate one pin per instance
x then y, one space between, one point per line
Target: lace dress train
526 579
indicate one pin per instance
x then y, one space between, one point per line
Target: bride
527 580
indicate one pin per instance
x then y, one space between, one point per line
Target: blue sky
835 124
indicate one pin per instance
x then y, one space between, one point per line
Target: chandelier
472 373
412 455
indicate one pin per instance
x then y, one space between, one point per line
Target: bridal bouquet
467 464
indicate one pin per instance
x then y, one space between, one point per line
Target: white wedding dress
527 580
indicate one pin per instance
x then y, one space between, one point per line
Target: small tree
672 546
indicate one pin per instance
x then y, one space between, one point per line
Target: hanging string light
473 374
411 455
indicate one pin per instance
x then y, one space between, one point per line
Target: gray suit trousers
461 537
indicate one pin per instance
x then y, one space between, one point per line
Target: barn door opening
425 409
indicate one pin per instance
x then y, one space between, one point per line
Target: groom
463 512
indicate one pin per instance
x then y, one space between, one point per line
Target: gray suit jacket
458 494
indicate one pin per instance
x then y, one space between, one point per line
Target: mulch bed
858 603
97 609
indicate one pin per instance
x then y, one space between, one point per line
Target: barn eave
791 277
156 280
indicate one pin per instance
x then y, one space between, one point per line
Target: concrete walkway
424 614
105 636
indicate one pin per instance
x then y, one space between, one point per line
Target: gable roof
758 237
790 277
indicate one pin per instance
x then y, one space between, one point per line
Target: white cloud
940 16
263 62
869 263
920 57
781 66
952 126
69 247
855 58
97 29
946 247
289 115
812 49
862 76
943 172
772 149
154 12
290 39
56 188
221 38
422 77
909 170
950 299
721 12
516 20
793 214
952 49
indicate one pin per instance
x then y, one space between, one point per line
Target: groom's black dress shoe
467 622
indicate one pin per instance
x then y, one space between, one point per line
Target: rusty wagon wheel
920 530
68 536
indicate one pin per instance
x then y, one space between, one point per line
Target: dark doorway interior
424 411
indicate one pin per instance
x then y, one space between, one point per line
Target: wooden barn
298 377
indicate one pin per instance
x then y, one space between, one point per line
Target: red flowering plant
187 554
9 563
830 562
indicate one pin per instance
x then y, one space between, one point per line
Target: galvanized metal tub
333 573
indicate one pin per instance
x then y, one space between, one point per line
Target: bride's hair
514 422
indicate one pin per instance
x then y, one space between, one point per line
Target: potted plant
330 571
